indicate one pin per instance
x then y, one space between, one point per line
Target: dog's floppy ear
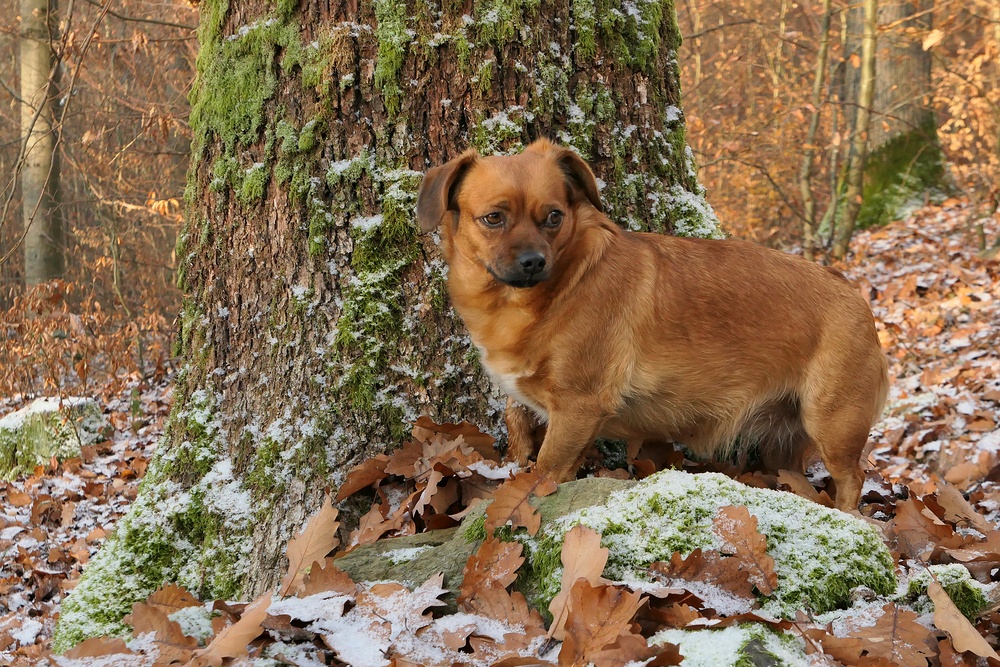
437 190
579 175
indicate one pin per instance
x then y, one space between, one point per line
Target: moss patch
899 173
190 524
969 595
672 511
743 645
45 428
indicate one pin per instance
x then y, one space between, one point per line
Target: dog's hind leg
570 432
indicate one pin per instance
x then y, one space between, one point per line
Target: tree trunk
43 230
859 145
810 242
904 156
316 324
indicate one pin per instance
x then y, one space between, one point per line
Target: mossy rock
44 428
820 554
899 174
744 645
414 559
970 596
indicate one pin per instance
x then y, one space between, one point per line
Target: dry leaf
737 528
171 643
510 502
600 616
97 647
800 485
958 510
232 641
327 577
947 617
317 539
494 565
582 557
896 637
362 476
707 567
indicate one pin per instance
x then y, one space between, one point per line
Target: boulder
44 428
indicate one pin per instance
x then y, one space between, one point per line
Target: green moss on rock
45 428
969 595
744 645
899 173
820 554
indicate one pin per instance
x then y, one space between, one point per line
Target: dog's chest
512 380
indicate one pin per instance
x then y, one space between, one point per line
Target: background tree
315 324
43 231
847 214
905 158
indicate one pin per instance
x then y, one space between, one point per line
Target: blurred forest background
771 93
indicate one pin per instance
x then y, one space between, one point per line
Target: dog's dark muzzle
529 269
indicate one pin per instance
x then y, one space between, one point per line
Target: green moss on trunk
899 174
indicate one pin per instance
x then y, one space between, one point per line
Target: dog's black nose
531 261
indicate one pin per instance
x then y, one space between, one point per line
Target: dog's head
511 215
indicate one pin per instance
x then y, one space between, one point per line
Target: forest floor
937 304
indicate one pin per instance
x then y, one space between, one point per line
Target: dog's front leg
520 432
570 433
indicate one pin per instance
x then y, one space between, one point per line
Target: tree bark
859 148
904 156
43 230
316 324
810 241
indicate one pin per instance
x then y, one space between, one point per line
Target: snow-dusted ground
939 321
52 523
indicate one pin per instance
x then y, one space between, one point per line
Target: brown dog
603 332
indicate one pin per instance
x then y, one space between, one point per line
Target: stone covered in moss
736 646
899 174
820 554
970 596
45 428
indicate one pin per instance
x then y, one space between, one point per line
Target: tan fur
646 337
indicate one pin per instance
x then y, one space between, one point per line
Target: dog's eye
554 219
493 219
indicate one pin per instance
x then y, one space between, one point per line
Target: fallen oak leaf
231 642
493 565
959 510
896 637
172 598
483 443
171 643
947 617
599 616
404 461
98 647
737 529
707 567
373 525
843 649
510 502
582 557
488 573
327 577
800 485
315 541
362 476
